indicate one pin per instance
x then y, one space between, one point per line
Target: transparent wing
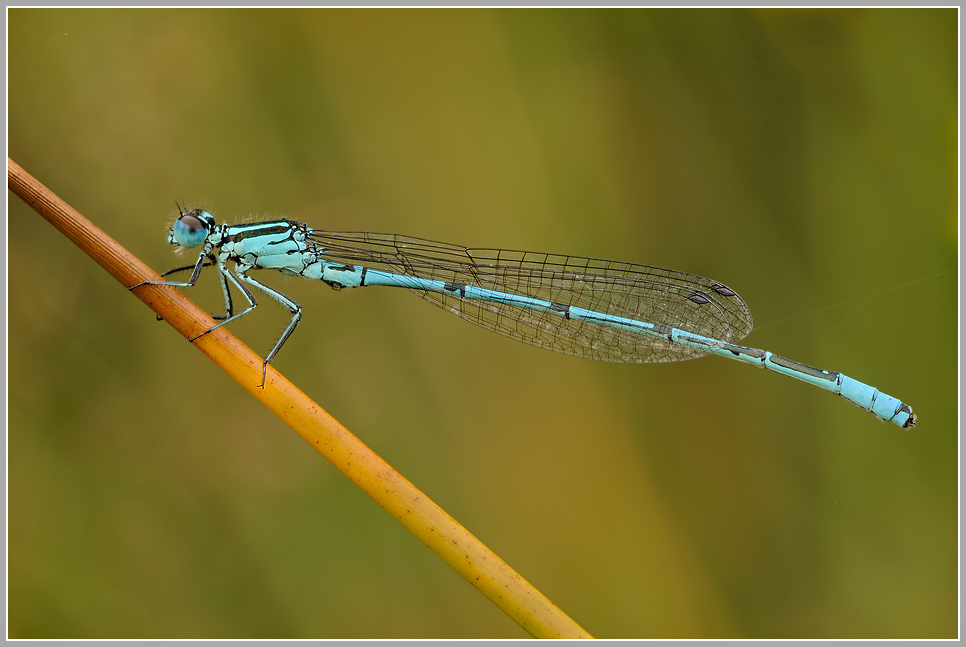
651 294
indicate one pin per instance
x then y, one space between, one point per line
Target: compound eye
189 231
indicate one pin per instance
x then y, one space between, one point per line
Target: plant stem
480 566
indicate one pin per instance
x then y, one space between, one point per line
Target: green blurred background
807 158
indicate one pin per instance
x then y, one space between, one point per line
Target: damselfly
605 310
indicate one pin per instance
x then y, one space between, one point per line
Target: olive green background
806 158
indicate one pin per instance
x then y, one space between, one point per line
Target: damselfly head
191 228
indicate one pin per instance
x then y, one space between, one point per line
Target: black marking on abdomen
456 287
784 362
738 351
559 307
664 331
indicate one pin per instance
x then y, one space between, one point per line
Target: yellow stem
480 566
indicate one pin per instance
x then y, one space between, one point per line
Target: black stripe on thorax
254 230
